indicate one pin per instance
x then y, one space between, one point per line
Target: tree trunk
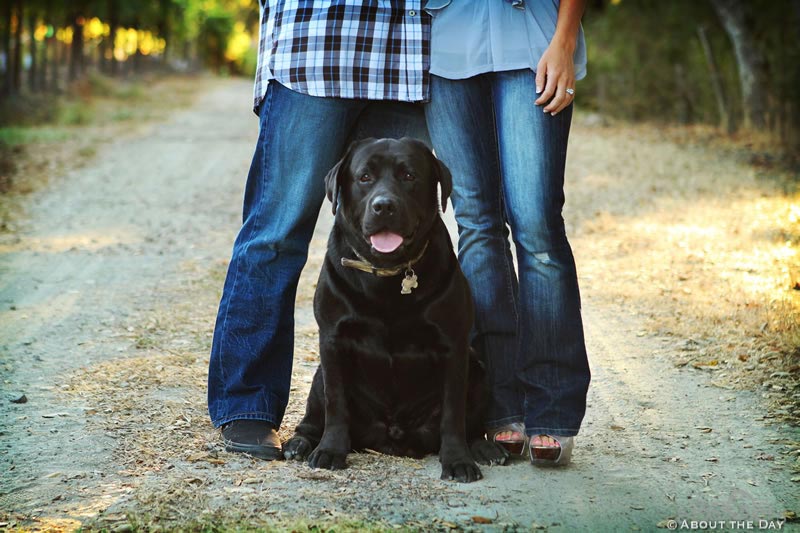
33 71
76 50
46 47
59 62
45 66
726 122
16 74
113 24
685 109
737 20
6 5
102 55
136 60
164 29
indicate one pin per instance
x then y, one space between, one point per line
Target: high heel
515 446
551 455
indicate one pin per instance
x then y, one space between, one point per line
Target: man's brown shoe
253 437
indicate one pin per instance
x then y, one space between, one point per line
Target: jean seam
503 219
267 101
565 119
501 210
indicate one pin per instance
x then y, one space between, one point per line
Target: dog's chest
399 355
400 340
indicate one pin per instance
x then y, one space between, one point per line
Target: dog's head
385 191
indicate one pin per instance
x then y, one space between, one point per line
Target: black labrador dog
394 311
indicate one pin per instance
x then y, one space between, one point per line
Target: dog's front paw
488 453
297 448
330 459
461 470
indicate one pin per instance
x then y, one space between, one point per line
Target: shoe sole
266 453
514 447
561 457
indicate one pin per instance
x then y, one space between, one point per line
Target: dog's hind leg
309 431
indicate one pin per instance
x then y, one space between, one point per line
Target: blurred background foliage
47 44
731 63
726 63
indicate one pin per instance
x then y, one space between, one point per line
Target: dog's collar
365 266
409 281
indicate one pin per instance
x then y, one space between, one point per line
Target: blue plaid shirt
369 49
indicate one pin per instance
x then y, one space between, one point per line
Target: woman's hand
555 73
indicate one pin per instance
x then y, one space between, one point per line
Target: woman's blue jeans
301 137
507 158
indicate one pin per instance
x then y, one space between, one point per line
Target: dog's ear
333 183
445 179
440 170
333 180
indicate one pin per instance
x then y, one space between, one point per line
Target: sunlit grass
96 101
75 114
124 114
20 135
43 134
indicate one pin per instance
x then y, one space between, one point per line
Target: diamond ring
570 91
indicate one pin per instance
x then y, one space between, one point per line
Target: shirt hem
580 71
424 98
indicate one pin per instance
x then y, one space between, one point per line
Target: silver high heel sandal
514 447
550 455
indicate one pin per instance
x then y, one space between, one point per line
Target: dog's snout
382 205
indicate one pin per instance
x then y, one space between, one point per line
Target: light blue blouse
470 37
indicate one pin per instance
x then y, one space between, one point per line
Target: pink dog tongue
386 242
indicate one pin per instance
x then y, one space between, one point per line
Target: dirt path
107 300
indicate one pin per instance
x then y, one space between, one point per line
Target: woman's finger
541 79
549 89
556 103
567 97
541 75
559 92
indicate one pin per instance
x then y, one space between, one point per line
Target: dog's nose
382 206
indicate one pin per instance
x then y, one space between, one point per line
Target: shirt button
412 13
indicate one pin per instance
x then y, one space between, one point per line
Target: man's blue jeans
507 158
301 138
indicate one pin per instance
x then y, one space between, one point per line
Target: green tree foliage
673 60
215 25
646 62
58 41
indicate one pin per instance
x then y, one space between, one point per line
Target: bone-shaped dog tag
409 282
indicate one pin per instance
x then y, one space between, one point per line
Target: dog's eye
365 178
409 177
